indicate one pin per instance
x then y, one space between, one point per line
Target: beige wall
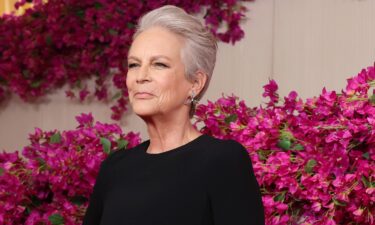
7 6
302 44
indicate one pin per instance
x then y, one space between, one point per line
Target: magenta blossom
70 41
313 159
53 181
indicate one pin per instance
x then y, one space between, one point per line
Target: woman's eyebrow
151 59
160 56
134 58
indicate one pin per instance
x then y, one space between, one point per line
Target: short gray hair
199 52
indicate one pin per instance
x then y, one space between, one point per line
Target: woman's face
156 74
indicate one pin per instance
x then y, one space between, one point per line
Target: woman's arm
233 190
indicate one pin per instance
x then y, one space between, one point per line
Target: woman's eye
132 65
161 65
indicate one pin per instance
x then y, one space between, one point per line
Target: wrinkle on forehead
156 41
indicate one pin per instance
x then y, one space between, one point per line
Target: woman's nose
143 74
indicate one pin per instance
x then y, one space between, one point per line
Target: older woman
179 176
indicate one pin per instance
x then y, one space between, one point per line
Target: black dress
207 181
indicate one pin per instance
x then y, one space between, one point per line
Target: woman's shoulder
226 149
227 156
119 154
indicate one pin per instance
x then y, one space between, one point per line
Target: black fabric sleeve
94 211
234 192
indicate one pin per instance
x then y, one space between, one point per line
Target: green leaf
56 219
56 138
280 197
36 84
48 40
217 112
78 84
35 53
113 32
28 210
106 145
130 25
119 10
284 144
78 200
336 202
372 99
298 147
97 5
40 161
36 201
230 118
80 13
310 165
262 155
365 182
25 73
73 65
36 15
117 95
1 171
292 157
3 81
285 134
122 143
98 51
366 155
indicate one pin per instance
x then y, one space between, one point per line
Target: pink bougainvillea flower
270 90
313 159
58 172
45 48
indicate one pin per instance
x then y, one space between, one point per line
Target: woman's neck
169 134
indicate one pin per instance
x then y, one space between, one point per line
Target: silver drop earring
193 101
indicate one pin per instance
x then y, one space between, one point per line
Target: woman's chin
144 112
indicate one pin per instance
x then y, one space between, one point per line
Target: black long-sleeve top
207 181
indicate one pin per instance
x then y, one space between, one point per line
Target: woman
179 176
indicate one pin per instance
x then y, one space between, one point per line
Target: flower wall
69 41
52 182
313 159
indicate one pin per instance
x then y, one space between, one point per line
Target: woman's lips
143 95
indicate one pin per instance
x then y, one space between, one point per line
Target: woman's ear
199 81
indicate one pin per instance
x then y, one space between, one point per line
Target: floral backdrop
313 159
69 41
